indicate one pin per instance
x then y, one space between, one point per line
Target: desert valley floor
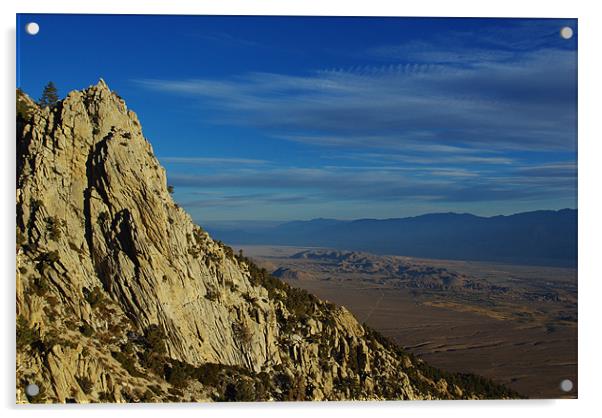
514 324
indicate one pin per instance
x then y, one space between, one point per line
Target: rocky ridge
122 298
394 270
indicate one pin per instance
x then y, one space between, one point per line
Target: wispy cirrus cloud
381 183
528 103
211 160
439 121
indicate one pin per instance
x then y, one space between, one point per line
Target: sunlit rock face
122 298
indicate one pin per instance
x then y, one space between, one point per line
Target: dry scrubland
514 324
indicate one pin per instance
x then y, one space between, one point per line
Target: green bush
127 362
154 339
239 391
53 227
26 336
103 217
86 384
106 397
40 286
212 293
94 297
20 238
242 332
178 374
86 329
48 258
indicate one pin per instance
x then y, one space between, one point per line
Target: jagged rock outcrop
121 297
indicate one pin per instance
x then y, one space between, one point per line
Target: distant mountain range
543 237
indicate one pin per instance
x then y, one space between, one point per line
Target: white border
590 208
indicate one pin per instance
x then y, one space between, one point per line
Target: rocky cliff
121 297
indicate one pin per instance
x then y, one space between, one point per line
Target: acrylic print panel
231 208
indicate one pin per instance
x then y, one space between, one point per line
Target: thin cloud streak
383 184
426 122
507 105
211 160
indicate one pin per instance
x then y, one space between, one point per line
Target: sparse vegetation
116 320
94 297
103 217
242 332
239 391
20 238
86 329
85 383
26 336
35 204
212 293
48 258
39 286
127 362
53 227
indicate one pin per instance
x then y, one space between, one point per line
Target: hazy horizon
281 221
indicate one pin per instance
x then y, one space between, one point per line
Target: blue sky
280 118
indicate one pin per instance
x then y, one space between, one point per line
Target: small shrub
194 252
35 204
250 299
86 384
20 238
40 286
240 391
49 258
86 329
177 375
53 227
212 293
231 285
106 397
26 336
156 389
242 332
147 396
103 217
95 297
127 362
154 339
